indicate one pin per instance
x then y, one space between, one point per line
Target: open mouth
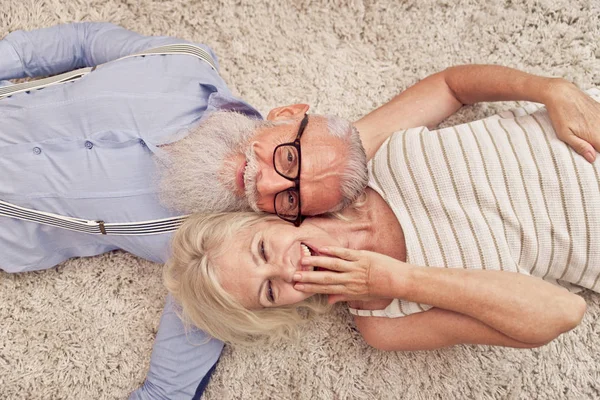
308 251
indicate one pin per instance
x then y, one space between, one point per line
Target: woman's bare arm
432 329
574 115
525 309
522 307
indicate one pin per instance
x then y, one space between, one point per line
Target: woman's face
260 262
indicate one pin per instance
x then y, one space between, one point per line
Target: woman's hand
351 275
575 117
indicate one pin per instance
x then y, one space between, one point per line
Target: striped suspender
152 227
70 76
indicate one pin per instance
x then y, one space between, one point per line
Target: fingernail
324 249
589 156
297 277
299 286
305 261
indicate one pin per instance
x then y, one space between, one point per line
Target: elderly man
156 136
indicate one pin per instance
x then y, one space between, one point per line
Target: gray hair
355 177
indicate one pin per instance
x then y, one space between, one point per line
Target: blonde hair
191 276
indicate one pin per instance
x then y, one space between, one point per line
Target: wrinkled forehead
323 165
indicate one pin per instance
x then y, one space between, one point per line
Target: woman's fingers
340 252
320 277
322 289
585 149
575 117
333 264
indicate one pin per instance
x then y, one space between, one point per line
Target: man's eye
270 295
291 200
263 253
290 161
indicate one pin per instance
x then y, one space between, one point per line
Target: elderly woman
479 233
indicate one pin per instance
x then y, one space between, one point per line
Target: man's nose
269 182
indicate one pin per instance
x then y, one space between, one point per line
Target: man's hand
575 117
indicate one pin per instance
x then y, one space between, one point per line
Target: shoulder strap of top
367 313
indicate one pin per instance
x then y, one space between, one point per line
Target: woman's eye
270 295
263 253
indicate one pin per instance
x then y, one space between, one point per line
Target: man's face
226 164
323 161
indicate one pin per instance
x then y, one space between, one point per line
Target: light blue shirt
84 149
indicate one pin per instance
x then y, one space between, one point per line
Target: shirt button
37 150
89 145
142 142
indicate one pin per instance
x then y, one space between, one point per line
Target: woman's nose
286 272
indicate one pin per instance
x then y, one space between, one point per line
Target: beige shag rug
85 330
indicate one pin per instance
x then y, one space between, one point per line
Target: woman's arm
438 96
433 329
522 308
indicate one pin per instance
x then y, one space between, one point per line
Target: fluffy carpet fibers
84 330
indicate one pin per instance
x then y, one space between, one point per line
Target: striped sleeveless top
503 193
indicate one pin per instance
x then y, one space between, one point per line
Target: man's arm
438 96
180 360
61 48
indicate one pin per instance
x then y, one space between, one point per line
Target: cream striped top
503 193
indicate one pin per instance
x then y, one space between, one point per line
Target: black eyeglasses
287 160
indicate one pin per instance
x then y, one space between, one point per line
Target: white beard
196 175
250 179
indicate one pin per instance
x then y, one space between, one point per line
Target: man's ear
287 112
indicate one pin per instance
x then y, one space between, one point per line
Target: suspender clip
101 226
